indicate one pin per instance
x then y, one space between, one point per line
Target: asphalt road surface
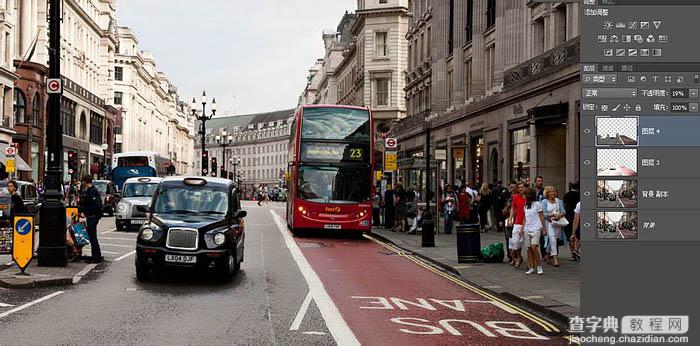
313 290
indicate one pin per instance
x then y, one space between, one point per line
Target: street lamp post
234 162
223 140
52 243
203 127
428 232
105 147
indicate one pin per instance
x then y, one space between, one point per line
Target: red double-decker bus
330 169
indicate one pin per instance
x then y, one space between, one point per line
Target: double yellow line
546 325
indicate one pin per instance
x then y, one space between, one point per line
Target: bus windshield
335 124
132 161
334 184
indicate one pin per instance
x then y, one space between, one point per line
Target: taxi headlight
147 234
121 206
219 238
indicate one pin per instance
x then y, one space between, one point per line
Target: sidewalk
41 276
557 291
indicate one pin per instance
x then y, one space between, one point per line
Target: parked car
136 192
110 197
193 222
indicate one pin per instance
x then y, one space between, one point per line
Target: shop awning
20 164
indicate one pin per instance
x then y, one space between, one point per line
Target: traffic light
73 166
213 166
205 162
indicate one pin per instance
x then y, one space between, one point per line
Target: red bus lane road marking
386 299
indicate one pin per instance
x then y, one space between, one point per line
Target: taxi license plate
180 259
138 222
331 226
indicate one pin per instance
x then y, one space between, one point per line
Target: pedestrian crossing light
213 165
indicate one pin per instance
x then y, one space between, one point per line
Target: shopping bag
81 235
492 253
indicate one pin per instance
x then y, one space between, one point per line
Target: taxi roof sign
195 181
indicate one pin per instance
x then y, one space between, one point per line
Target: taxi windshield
183 199
101 186
139 189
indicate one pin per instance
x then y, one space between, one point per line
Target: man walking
91 208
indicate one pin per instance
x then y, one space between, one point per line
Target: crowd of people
531 216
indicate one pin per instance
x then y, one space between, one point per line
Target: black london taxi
194 222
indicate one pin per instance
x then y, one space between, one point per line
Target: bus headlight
219 238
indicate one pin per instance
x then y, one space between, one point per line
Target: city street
311 290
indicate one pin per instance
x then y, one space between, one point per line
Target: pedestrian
500 198
484 207
576 235
517 219
411 211
449 208
571 199
463 210
505 212
17 206
400 208
553 208
377 207
534 226
539 196
91 209
388 207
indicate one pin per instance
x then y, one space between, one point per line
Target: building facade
500 80
153 116
259 144
365 61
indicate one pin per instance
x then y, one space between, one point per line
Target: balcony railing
551 61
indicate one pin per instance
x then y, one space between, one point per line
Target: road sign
54 86
10 151
10 165
391 144
23 241
389 161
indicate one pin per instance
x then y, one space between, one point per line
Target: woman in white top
553 212
576 234
534 222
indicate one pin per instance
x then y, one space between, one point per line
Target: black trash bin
468 243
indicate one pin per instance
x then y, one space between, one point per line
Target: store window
520 154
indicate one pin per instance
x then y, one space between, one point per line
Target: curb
48 282
553 316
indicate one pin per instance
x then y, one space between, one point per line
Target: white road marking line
331 315
83 272
115 245
125 256
110 231
314 333
22 307
302 312
3 305
128 239
107 252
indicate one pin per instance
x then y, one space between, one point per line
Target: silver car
136 192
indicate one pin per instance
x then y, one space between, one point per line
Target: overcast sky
253 56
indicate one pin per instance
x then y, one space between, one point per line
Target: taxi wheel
229 268
143 272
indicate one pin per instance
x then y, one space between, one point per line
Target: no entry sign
54 86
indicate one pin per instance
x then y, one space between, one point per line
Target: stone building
153 116
88 41
259 144
364 61
501 81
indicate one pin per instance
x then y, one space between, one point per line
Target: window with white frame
382 91
381 39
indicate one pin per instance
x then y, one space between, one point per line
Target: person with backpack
91 208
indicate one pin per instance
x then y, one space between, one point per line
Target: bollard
468 243
428 230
